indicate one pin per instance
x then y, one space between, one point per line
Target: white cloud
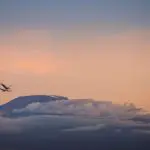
89 108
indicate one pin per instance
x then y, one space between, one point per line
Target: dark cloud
77 124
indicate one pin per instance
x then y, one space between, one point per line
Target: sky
81 49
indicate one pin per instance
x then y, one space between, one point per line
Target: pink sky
110 67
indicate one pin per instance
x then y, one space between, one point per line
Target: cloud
86 128
74 115
141 131
9 126
74 122
87 107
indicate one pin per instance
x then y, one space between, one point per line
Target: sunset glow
112 67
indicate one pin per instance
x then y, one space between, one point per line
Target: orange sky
109 67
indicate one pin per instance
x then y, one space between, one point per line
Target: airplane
5 88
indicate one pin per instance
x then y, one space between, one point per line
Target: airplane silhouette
5 88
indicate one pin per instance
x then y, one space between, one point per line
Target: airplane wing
2 89
4 86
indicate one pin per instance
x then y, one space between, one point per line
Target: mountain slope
23 101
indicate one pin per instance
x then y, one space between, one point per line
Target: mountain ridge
22 101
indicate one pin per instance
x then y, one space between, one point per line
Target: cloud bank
83 113
83 107
75 121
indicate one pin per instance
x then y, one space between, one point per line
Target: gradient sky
80 49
